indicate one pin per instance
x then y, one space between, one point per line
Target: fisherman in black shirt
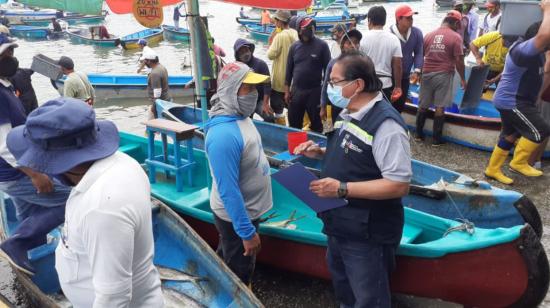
307 61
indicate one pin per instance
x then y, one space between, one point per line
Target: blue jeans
24 196
360 272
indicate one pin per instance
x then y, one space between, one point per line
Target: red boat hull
512 274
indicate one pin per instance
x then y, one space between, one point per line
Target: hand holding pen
309 149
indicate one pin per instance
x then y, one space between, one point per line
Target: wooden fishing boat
483 268
15 16
84 36
257 32
171 34
70 20
152 36
247 21
436 190
130 86
178 249
477 127
30 32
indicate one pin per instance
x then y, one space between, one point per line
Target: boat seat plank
410 233
183 130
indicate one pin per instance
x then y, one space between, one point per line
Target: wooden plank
171 126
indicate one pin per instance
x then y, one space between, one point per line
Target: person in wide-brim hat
108 215
60 135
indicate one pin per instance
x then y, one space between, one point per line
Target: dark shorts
231 250
526 121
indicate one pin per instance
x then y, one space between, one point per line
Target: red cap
404 11
305 22
455 14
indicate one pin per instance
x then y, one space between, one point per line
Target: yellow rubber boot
306 122
523 151
280 119
493 170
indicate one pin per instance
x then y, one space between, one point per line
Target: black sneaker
437 143
418 137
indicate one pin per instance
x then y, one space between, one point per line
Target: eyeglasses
333 83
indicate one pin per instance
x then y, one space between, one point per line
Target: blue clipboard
296 179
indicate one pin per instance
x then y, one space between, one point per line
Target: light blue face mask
335 96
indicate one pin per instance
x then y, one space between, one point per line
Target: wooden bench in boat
178 132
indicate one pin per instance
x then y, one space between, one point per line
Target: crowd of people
59 164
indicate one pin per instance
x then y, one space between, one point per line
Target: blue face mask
335 96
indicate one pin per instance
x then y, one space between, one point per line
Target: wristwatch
343 190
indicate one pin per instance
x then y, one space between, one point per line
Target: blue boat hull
477 128
486 206
30 32
177 247
171 34
131 86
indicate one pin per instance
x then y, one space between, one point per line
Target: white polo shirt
106 256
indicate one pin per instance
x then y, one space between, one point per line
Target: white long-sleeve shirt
106 256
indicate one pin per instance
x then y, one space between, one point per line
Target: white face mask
335 95
247 103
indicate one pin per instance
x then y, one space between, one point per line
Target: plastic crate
46 66
517 16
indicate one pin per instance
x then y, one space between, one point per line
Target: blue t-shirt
522 76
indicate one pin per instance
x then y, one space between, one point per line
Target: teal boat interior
423 234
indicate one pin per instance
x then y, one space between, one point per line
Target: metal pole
193 12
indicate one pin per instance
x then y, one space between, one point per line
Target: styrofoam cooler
46 66
517 16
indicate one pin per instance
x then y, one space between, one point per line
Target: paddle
414 189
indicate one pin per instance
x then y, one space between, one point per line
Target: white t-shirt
382 46
335 50
491 23
106 256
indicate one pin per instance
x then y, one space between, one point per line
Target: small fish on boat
175 299
170 274
286 223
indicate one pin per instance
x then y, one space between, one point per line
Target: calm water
128 114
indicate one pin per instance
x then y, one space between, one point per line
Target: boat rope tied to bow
466 225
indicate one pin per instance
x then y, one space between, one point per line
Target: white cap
148 54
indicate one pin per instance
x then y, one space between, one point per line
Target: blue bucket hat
60 135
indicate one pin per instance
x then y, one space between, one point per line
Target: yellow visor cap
255 78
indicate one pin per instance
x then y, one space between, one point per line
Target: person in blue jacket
244 52
241 188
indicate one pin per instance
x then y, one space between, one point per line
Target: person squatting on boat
105 256
412 50
77 84
157 80
307 61
349 43
370 166
244 52
280 41
443 53
385 51
241 188
39 201
516 100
